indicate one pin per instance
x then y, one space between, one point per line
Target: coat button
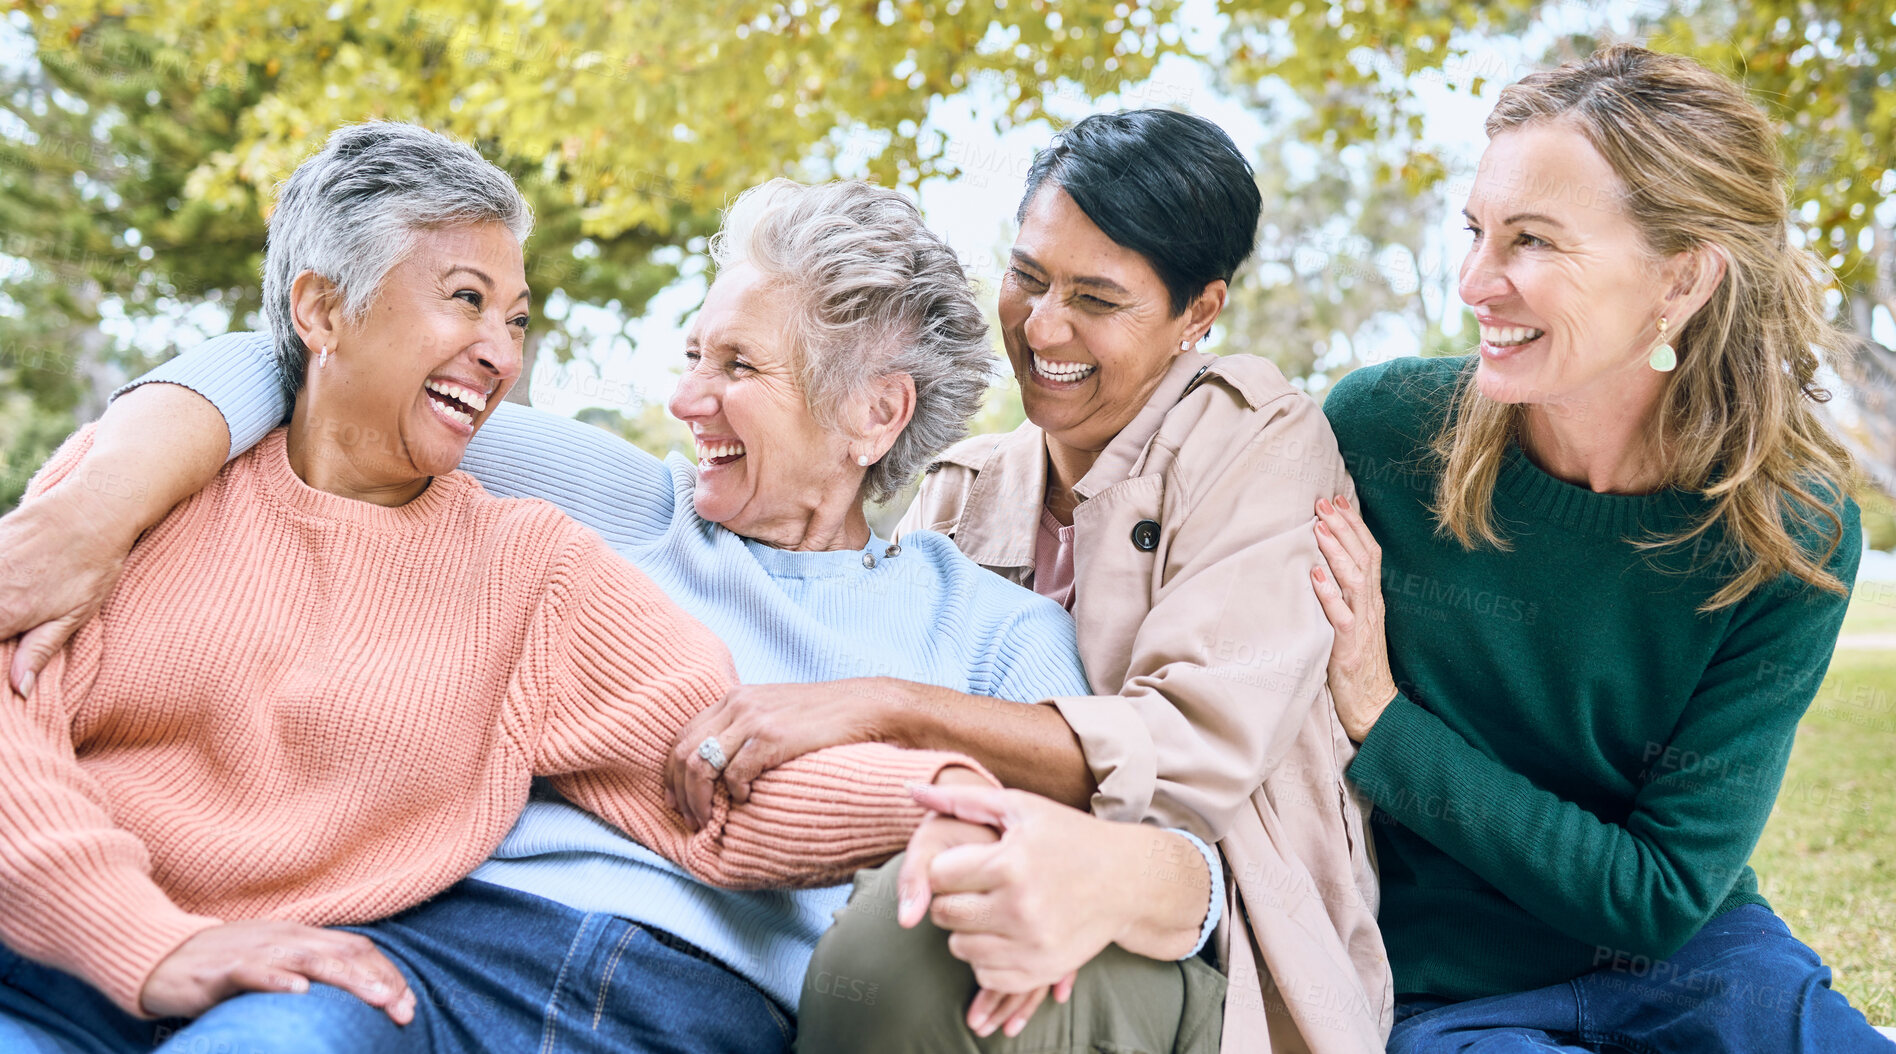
1145 535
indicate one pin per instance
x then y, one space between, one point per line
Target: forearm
811 822
127 482
1026 747
1621 885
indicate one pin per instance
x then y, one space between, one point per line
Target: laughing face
1087 322
1566 292
408 385
766 466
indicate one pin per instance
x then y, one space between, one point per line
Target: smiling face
1088 324
767 469
1567 294
407 385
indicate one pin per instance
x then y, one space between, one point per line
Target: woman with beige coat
1164 496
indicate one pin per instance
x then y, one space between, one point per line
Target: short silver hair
876 294
352 212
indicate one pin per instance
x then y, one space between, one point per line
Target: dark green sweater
1579 762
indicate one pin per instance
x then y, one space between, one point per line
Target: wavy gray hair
351 213
877 293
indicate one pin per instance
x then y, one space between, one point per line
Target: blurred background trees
139 143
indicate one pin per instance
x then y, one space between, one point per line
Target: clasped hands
1002 871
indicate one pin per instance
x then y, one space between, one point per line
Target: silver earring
1184 345
863 460
1663 357
323 359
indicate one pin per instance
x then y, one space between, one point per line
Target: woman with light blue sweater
838 351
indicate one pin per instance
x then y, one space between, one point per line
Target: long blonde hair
1699 165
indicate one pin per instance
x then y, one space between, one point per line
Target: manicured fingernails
1323 506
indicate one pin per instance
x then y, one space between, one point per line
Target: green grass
1828 857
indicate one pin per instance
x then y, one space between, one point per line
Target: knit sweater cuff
112 929
1397 767
826 815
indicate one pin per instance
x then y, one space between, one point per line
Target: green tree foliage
629 124
1826 72
1340 262
140 147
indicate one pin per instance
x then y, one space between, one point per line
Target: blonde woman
1595 579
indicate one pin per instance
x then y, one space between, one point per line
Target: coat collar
1120 460
1005 499
1000 521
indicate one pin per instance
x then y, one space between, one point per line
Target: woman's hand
1009 905
990 1009
1351 594
761 726
267 955
60 556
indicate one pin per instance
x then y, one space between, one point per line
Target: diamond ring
712 753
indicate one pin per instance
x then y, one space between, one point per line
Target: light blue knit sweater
929 614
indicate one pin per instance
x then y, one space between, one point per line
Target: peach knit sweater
299 706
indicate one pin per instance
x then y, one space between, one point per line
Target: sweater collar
833 563
271 458
1546 498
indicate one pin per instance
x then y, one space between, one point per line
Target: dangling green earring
1663 358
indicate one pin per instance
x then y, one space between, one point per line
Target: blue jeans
1742 984
492 970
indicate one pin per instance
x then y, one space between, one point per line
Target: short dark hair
1169 186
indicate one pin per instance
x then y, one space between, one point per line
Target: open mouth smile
716 452
1061 373
1507 338
455 402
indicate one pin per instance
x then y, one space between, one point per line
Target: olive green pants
877 988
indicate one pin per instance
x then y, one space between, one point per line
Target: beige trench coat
1213 648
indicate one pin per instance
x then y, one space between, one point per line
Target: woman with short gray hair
879 296
356 209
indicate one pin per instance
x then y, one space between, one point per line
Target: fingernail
1343 503
1323 530
26 684
1317 573
1323 505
